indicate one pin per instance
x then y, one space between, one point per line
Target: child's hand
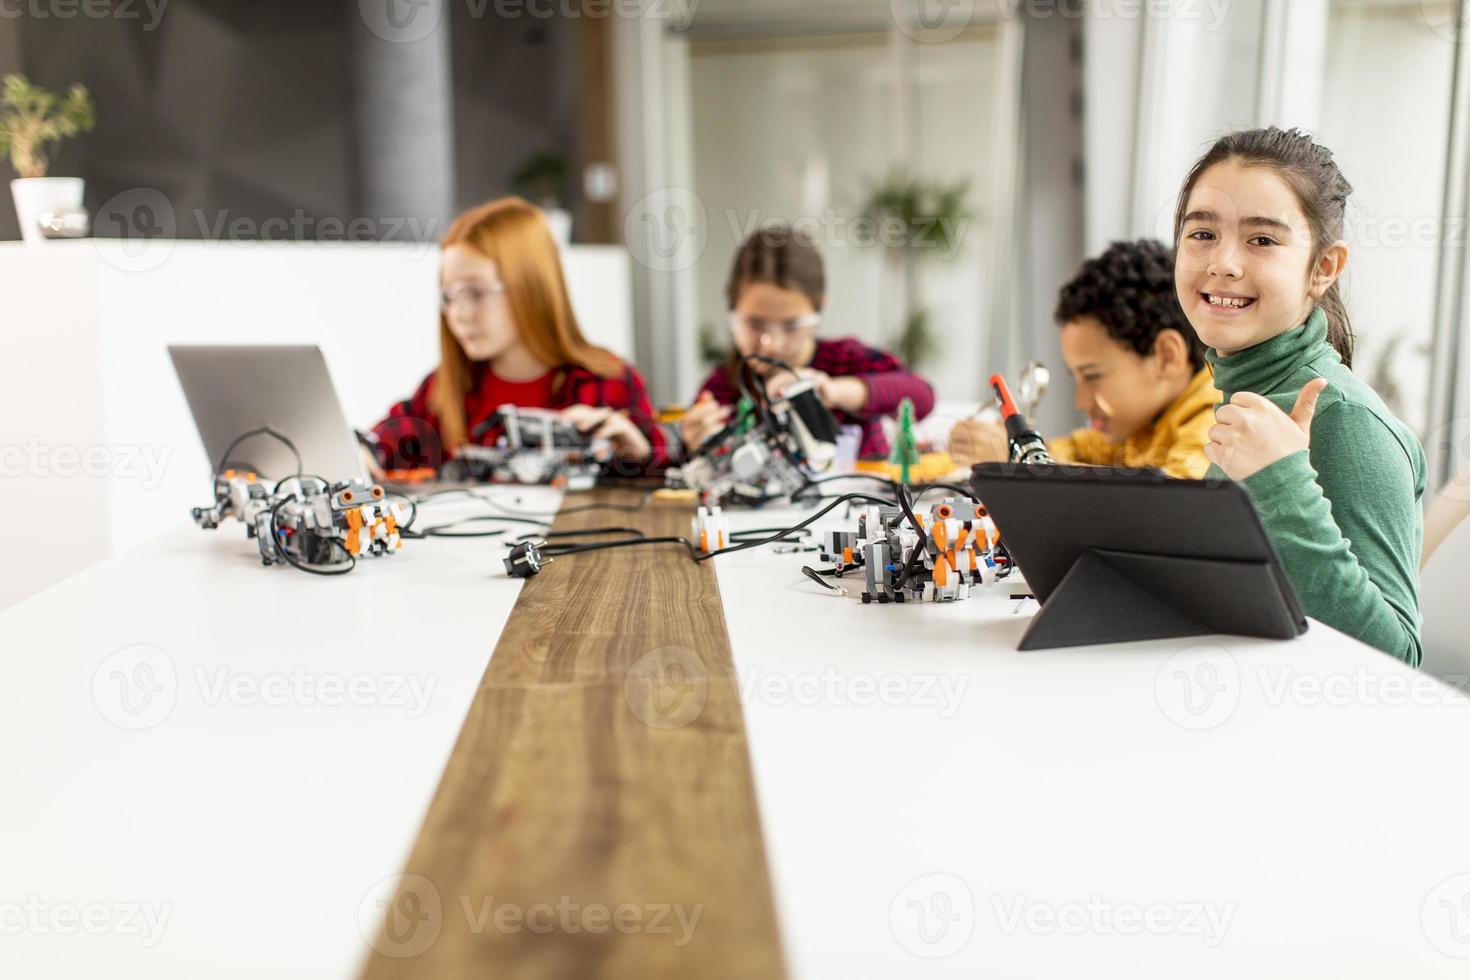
847 394
976 441
604 423
704 418
1251 433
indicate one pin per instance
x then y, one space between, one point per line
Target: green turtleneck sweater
1345 515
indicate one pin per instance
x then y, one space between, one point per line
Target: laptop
233 389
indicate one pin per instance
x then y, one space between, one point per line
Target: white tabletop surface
934 802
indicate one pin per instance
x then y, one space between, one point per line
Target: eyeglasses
470 293
759 326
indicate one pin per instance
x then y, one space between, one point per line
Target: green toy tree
905 444
32 117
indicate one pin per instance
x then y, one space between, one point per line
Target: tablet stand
1117 596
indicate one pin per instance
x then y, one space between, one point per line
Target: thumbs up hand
1250 433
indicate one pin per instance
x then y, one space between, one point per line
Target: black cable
816 574
446 530
552 549
302 566
742 535
795 527
263 430
604 545
740 546
413 513
952 487
580 508
299 476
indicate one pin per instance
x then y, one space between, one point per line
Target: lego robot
768 452
536 446
306 521
953 555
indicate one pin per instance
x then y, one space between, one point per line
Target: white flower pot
34 196
561 225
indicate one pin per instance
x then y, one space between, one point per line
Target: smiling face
1245 269
476 307
1119 390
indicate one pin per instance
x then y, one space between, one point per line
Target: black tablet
1116 554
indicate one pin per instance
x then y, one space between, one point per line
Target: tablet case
1116 554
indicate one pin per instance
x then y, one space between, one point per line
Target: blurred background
278 169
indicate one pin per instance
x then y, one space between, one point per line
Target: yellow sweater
1175 443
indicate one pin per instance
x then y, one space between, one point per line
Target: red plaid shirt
888 381
410 437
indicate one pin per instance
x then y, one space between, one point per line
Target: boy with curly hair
1140 370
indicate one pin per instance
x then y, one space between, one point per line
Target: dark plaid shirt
888 381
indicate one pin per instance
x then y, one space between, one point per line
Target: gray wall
239 111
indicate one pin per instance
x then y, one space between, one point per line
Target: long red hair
515 235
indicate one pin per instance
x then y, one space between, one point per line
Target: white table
97 446
256 818
907 759
1316 805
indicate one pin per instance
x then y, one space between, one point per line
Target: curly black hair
1130 290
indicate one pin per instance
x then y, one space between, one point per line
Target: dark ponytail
1310 171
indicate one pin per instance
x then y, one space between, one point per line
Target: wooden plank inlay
597 817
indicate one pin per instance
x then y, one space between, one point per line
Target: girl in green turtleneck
1335 477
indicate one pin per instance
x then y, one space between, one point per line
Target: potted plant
931 215
540 180
31 119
